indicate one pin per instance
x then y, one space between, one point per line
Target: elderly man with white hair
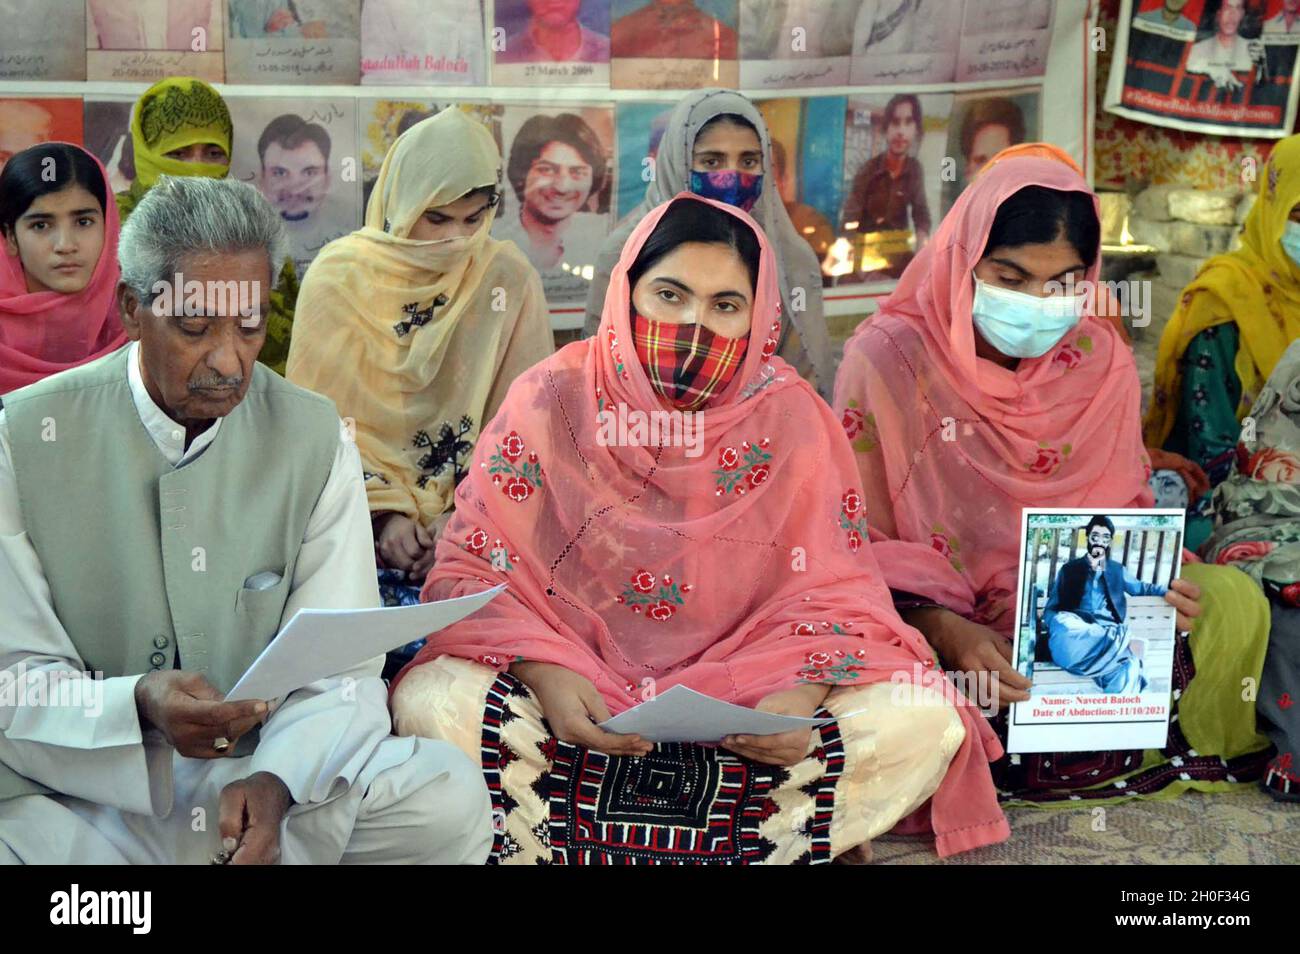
163 511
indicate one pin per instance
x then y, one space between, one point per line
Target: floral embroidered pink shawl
737 572
951 446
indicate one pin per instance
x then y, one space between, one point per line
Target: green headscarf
174 114
177 113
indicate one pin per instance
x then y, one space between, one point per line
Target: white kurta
126 796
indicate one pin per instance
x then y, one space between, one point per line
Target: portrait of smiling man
557 169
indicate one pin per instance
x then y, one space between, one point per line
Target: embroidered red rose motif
1070 356
818 659
852 421
851 503
1048 459
476 541
658 596
490 659
517 481
512 448
855 541
940 542
803 629
661 611
730 474
517 489
769 349
812 675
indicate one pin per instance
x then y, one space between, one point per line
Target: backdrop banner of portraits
409 42
143 41
305 42
808 163
673 44
301 155
1227 67
29 122
794 43
981 126
31 50
557 192
550 43
108 137
894 153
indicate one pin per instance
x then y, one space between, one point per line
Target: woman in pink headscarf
671 505
971 395
58 274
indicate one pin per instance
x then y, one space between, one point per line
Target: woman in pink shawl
969 397
671 505
58 274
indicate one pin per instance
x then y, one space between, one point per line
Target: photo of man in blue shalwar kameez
1086 615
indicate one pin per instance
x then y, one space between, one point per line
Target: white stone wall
1186 226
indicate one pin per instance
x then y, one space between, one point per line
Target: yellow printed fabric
418 341
1256 287
175 114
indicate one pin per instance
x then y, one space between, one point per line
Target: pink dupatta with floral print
739 571
951 446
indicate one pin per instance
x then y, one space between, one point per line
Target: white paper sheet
318 643
684 715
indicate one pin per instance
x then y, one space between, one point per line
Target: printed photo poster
108 136
31 50
981 126
641 127
382 121
27 122
1004 40
1215 66
559 185
143 41
894 148
793 43
551 42
807 168
301 154
906 42
294 42
1094 634
416 42
673 44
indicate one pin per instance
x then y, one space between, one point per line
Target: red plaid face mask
687 363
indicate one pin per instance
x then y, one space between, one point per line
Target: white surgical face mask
1291 240
1021 325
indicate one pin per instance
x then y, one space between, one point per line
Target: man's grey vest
144 560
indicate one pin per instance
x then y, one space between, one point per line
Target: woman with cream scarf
416 325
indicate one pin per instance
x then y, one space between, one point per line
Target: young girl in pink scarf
729 557
968 397
58 273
